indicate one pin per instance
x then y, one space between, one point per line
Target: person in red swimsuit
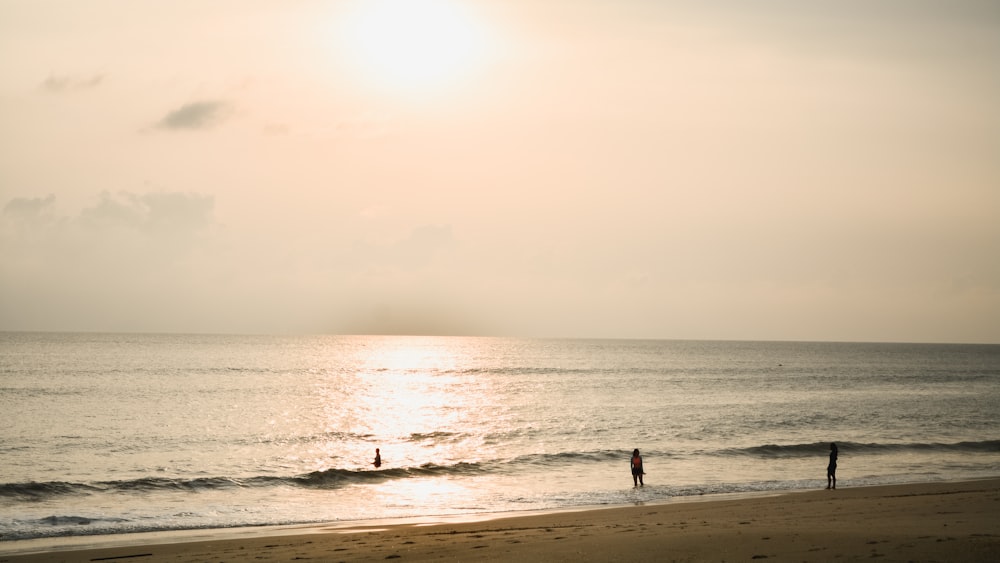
637 471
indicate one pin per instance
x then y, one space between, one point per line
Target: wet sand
918 522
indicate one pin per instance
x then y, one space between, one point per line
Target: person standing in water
378 459
637 471
831 468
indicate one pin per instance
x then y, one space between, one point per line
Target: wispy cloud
71 83
169 216
196 115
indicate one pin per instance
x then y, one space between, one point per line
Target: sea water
120 433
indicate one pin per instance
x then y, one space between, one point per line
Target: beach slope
919 522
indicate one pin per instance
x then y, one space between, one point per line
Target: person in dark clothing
831 468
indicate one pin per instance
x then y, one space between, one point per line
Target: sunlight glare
414 44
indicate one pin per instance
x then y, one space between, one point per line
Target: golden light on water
443 492
411 398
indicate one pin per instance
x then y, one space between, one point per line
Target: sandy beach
918 522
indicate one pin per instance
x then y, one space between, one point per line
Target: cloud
125 226
71 83
197 115
34 210
128 262
170 214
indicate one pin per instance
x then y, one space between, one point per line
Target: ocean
125 433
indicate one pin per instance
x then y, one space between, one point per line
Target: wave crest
820 448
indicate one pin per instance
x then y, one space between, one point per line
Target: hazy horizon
717 170
430 336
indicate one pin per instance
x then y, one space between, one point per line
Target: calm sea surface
111 433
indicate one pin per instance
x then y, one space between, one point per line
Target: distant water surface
112 433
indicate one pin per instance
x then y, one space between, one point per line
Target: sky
716 169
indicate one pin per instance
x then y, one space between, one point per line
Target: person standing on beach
378 459
637 471
831 468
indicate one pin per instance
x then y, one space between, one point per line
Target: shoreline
952 521
106 541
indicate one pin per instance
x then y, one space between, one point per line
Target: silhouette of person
378 459
637 471
831 468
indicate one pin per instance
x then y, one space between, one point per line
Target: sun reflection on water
412 397
441 492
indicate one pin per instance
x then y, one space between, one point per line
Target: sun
413 44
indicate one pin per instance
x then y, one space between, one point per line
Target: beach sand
919 522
